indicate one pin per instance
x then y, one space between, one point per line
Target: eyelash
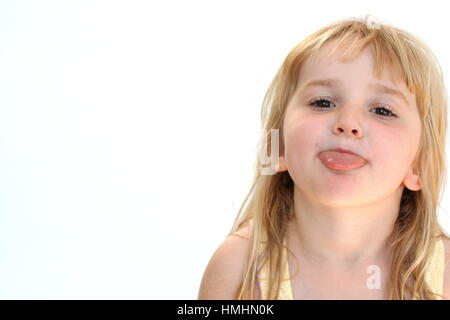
379 106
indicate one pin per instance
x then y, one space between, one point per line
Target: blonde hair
269 203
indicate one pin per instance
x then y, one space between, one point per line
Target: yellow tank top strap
434 273
285 292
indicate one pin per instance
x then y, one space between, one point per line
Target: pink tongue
340 159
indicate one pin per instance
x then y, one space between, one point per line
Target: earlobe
412 182
281 166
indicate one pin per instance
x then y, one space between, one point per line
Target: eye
324 103
321 102
387 111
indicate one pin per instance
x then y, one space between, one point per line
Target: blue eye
324 103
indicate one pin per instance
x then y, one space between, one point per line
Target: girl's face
350 112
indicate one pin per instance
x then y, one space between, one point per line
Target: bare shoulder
223 275
446 291
245 231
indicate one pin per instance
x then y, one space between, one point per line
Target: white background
128 131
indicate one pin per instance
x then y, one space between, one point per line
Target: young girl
350 210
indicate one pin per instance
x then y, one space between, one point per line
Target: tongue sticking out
341 161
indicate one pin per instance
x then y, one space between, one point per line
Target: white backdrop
128 131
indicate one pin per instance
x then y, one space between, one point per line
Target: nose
348 126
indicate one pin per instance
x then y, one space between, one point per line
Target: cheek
302 138
393 149
382 145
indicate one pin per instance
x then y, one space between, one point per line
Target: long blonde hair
269 203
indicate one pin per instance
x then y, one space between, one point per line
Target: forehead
331 57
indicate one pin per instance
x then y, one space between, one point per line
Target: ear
411 180
281 166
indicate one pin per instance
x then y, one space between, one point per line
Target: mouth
342 159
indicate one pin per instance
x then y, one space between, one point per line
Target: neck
344 237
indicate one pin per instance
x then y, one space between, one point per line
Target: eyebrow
378 87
